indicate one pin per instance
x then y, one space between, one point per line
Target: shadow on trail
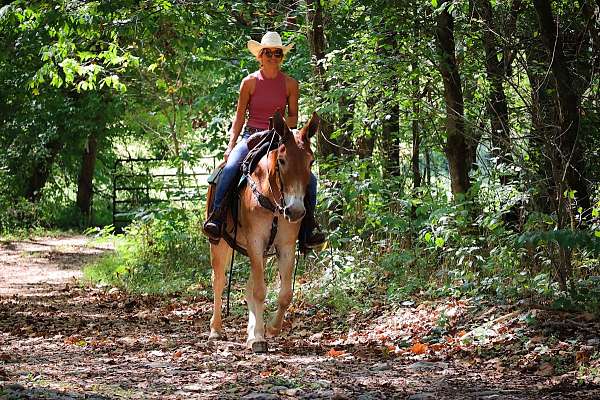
75 343
70 261
82 343
20 392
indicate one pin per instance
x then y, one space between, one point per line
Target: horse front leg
220 257
256 291
285 261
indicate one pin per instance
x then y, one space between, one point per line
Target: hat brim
255 47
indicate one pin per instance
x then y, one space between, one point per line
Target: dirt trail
62 341
37 265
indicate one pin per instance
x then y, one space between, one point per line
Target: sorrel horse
281 176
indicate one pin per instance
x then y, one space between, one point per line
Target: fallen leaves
75 340
177 354
266 373
582 357
419 348
545 369
388 348
335 353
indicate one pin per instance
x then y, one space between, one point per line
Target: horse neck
265 176
274 183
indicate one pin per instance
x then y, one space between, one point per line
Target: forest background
458 154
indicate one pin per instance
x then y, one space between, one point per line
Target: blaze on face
294 161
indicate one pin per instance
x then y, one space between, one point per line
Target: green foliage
160 79
20 214
163 252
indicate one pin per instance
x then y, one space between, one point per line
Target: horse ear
281 127
311 127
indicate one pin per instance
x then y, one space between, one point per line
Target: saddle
259 144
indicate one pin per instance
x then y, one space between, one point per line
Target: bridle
281 205
272 205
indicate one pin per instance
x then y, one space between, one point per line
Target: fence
144 184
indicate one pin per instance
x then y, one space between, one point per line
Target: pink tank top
269 96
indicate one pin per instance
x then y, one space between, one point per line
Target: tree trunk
544 121
326 145
41 171
365 144
427 170
416 140
569 102
497 107
391 141
456 146
416 134
391 118
85 189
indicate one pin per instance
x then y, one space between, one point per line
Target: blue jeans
232 167
230 170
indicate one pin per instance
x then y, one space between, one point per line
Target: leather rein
264 201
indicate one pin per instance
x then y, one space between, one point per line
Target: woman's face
271 56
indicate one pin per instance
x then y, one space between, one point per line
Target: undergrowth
162 252
384 247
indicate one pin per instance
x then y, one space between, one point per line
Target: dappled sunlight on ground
34 265
62 341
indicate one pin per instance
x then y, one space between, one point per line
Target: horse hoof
260 347
271 332
215 336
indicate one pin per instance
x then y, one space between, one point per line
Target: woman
262 93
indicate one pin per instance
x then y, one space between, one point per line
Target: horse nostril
293 214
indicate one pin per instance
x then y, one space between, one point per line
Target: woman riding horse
271 206
262 93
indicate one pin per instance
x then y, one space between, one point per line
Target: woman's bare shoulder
289 79
291 84
249 82
249 78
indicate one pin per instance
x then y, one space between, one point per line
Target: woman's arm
240 115
293 94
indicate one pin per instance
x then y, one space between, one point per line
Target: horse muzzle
294 214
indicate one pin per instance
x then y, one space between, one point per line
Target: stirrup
316 242
213 226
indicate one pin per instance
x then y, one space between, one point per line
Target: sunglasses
276 53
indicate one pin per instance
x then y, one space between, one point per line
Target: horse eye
281 161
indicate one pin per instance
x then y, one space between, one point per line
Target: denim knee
312 191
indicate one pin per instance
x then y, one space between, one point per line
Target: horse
276 188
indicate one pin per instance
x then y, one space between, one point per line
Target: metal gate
141 185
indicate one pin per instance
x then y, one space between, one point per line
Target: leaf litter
64 341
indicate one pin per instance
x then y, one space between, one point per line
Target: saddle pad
214 177
262 143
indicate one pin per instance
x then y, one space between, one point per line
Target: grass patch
161 254
125 270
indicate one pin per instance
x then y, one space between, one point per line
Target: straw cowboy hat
271 40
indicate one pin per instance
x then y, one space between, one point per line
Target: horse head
290 165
